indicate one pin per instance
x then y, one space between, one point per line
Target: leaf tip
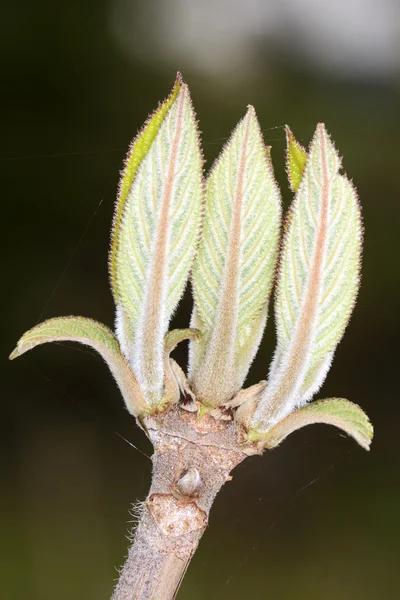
322 134
369 436
322 131
289 134
178 84
251 116
14 354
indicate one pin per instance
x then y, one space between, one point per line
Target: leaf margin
138 150
324 411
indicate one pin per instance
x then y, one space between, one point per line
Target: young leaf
235 264
318 281
156 227
99 337
296 157
335 411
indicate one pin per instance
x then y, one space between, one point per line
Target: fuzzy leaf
235 265
155 232
318 281
99 337
335 411
296 157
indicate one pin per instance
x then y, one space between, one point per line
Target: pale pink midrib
218 361
304 334
151 354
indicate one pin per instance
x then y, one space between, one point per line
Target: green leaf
296 157
99 337
335 411
235 264
155 234
318 282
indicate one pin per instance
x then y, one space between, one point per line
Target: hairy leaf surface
235 265
318 281
335 411
137 152
156 234
99 337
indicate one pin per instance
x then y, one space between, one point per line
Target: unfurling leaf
318 282
296 158
99 337
156 227
335 411
235 264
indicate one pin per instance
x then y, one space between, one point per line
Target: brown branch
191 462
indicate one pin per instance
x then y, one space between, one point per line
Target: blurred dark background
317 518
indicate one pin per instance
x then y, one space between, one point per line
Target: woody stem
175 516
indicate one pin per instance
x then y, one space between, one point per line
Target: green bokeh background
317 518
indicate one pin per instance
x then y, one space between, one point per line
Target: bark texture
192 460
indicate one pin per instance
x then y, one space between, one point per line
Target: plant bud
189 484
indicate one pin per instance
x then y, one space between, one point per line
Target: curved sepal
235 263
174 378
345 415
99 337
176 336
